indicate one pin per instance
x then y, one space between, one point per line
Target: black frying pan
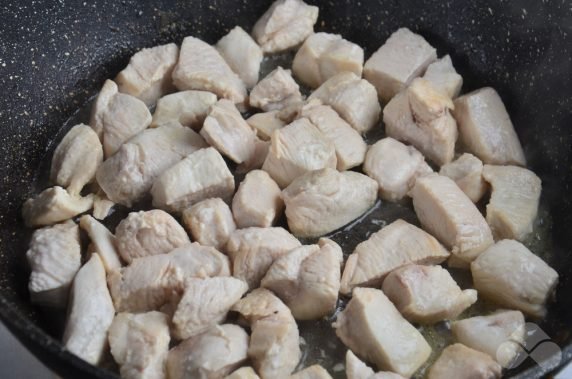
55 55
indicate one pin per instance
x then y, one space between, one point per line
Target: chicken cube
312 372
100 105
356 369
277 90
265 124
188 108
242 54
243 373
444 77
103 241
256 159
210 222
459 361
102 206
467 172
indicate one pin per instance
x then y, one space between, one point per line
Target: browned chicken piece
512 276
266 123
242 54
148 74
461 362
485 128
256 159
104 242
356 369
210 222
373 328
467 172
312 372
403 57
394 246
444 77
243 373
188 108
277 90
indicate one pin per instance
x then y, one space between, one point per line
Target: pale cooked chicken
188 108
461 362
511 275
266 123
403 57
201 175
485 128
210 355
467 172
256 159
210 222
90 313
242 54
285 24
444 77
513 206
312 372
371 326
139 344
243 373
324 55
54 205
103 241
276 91
394 246
322 201
148 74
356 369
102 206
395 167
100 105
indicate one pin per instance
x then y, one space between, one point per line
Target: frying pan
55 55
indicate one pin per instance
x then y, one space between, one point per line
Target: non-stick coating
54 56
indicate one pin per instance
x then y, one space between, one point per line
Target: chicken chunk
242 54
297 149
444 77
511 275
256 159
90 313
426 294
76 159
252 251
139 344
467 172
147 233
201 67
210 222
356 369
403 57
243 373
459 361
265 124
103 241
102 206
274 342
286 24
421 116
100 105
485 128
447 213
189 108
513 206
371 326
322 201
148 74
395 167
394 246
205 303
307 279
210 355
54 205
353 98
312 372
54 256
201 175
225 129
277 90
324 55
257 201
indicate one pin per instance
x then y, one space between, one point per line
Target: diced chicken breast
395 166
513 206
297 149
420 115
76 159
511 275
265 124
243 373
127 176
100 105
225 129
459 361
312 372
324 55
499 335
256 159
371 326
467 172
201 175
286 24
277 90
252 251
139 344
403 57
103 241
201 67
147 233
148 74
350 146
444 77
54 256
307 279
242 54
353 98
394 246
257 201
210 355
356 369
188 108
447 213
210 222
102 206
90 313
485 128
205 303
274 342
322 201
54 205
426 294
